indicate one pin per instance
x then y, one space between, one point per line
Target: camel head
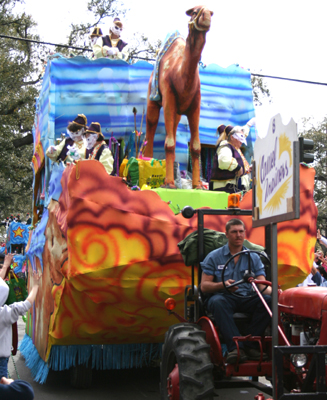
200 18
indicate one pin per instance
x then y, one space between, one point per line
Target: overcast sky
282 38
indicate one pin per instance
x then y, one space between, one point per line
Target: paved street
137 384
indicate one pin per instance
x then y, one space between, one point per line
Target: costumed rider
72 148
231 170
95 35
111 46
96 147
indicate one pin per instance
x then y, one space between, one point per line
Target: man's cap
97 32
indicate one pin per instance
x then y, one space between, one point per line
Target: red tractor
193 359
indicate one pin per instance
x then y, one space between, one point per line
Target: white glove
112 51
251 122
52 149
73 152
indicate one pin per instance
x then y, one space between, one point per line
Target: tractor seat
241 319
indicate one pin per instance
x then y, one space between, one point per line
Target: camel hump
169 40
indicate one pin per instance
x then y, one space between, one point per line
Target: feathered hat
81 120
95 127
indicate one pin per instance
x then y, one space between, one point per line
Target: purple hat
228 129
97 32
81 120
118 22
95 127
220 129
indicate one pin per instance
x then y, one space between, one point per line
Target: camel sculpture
179 88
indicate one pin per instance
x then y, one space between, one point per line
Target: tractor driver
222 304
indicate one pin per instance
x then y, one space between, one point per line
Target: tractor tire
81 376
185 345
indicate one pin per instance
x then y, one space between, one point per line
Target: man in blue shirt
223 304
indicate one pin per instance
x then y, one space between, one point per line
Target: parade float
108 252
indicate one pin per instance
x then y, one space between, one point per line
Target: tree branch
25 140
32 82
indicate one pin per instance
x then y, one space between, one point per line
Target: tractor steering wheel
248 273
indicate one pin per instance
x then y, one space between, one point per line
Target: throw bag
17 288
131 171
122 167
152 173
212 240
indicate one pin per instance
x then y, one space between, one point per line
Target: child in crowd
10 314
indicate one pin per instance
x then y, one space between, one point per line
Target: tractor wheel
186 368
81 376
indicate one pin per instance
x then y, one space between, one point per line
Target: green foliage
19 66
318 133
141 47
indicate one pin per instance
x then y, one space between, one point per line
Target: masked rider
95 35
72 148
96 147
111 46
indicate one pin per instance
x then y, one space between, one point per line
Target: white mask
76 136
240 137
90 141
116 30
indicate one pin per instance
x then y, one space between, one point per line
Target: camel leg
152 118
171 121
195 145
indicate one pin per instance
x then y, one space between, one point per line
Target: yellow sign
274 165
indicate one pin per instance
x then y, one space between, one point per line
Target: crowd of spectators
16 218
318 274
